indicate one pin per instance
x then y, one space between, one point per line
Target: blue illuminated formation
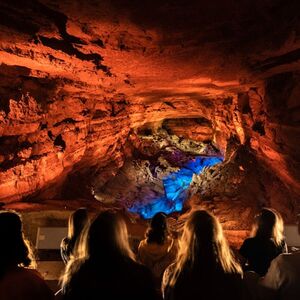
176 186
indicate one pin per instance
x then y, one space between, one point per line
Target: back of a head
104 242
158 230
107 238
159 220
10 223
203 247
269 224
77 221
14 250
201 233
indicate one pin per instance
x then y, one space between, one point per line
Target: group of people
100 263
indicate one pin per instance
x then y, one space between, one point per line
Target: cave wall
78 78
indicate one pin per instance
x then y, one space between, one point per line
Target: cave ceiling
79 79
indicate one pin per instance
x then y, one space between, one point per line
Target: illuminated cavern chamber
176 186
158 176
75 83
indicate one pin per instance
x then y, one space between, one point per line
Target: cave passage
176 186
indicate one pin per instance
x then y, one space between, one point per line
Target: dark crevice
11 84
115 112
145 131
165 127
278 88
43 126
203 121
99 43
4 102
71 50
85 112
66 45
14 18
277 61
259 127
50 134
15 82
243 103
170 104
59 19
227 101
65 121
10 146
17 161
8 164
118 107
59 142
98 114
9 18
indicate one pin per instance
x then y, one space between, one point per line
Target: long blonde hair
203 246
104 241
269 225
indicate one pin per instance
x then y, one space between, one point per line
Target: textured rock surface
78 77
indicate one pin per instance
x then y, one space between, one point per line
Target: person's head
15 250
203 247
158 230
269 225
104 242
77 221
106 238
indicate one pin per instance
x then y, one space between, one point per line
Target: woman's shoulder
20 272
32 276
26 280
249 242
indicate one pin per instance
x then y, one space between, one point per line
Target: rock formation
78 79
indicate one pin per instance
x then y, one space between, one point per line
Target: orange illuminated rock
77 79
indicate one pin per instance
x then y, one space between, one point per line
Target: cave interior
147 106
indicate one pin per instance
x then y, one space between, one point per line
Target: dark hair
15 249
158 231
77 221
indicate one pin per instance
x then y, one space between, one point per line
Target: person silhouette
158 250
266 243
77 222
17 280
105 267
282 281
205 267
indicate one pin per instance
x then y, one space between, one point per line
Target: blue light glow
176 188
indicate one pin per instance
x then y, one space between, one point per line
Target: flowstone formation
158 176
